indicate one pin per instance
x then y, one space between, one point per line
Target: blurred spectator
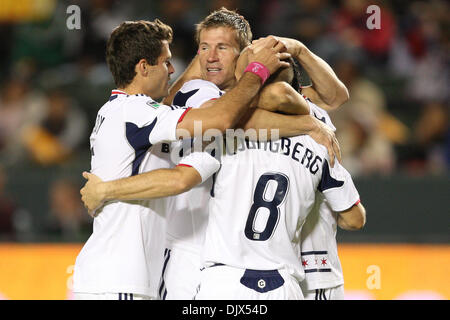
429 147
179 14
421 51
67 218
305 20
20 106
99 18
349 25
59 132
366 131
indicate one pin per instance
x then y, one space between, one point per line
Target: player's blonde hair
227 18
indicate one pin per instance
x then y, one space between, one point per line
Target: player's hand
293 46
91 194
325 136
270 53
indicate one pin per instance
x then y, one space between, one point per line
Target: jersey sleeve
196 92
148 122
320 114
337 187
205 164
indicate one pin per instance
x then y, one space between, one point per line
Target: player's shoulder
140 108
320 113
142 102
138 99
196 92
199 84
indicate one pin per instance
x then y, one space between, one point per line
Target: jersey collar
117 91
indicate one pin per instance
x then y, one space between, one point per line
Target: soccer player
324 279
253 235
120 258
319 256
221 36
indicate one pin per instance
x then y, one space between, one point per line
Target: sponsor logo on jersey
153 104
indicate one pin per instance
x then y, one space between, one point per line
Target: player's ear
142 67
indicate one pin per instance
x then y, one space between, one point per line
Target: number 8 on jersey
259 201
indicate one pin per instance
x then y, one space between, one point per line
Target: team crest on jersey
153 104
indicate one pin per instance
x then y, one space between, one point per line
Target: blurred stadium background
393 132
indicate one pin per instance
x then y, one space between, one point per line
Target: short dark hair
290 74
132 41
227 18
296 82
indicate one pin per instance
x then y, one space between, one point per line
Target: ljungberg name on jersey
288 147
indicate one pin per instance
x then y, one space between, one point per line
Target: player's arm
291 125
193 71
338 188
225 111
280 96
353 218
153 184
192 170
326 86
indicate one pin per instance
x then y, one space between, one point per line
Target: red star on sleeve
304 262
324 261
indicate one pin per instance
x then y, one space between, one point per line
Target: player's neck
229 85
134 88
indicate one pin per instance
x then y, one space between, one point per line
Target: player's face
159 74
218 54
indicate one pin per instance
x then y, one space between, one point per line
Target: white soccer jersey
187 213
125 251
319 255
262 195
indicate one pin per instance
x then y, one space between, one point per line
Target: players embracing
253 210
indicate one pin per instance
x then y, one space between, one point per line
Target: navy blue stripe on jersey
138 138
211 192
317 270
306 253
112 97
321 119
327 181
320 294
216 265
181 98
162 283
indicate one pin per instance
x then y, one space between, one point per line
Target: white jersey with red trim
124 252
261 198
187 213
319 254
